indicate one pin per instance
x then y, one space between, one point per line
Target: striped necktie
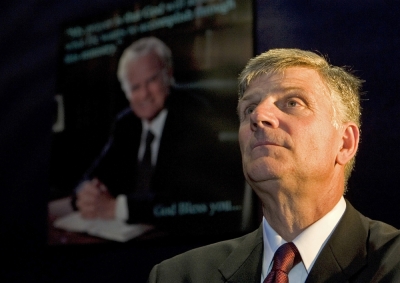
286 256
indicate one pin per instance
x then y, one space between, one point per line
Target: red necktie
286 256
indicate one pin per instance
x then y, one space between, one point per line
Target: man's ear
349 146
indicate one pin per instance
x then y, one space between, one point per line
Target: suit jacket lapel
244 263
345 252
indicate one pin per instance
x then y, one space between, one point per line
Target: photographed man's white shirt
309 243
156 127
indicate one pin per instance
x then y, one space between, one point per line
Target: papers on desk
115 230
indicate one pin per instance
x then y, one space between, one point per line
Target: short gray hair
141 48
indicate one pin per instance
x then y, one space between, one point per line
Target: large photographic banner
210 41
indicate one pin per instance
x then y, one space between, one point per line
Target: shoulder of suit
126 119
219 251
384 251
124 114
383 233
379 233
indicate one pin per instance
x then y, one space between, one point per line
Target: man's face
286 133
146 85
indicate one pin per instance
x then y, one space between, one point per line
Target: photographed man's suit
359 250
191 167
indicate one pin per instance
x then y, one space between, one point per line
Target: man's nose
143 92
264 115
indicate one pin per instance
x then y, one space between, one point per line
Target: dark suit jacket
191 167
359 250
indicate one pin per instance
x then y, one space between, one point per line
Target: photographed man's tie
145 166
286 256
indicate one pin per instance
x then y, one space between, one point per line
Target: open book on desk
115 230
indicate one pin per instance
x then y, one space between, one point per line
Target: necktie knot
149 138
286 256
147 152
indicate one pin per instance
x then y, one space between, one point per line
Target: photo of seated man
163 162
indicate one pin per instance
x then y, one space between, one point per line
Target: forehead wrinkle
275 80
252 94
274 89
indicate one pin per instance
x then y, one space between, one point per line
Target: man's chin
260 176
259 170
145 115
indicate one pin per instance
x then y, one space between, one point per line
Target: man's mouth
264 143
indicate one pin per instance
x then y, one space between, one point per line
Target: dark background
364 35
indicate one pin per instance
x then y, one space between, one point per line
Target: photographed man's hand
94 200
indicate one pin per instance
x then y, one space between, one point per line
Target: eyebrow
249 96
273 90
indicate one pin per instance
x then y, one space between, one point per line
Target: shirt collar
309 243
156 125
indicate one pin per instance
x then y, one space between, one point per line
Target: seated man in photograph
299 134
161 163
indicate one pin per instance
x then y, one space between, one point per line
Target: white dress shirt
156 126
309 243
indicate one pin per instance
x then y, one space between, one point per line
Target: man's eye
134 88
292 103
155 77
248 110
152 79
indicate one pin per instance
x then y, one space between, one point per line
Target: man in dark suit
176 185
299 134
